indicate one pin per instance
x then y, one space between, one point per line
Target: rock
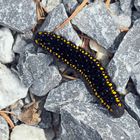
18 15
67 93
11 88
137 4
86 121
125 58
55 18
135 75
95 21
36 73
70 5
4 129
132 102
21 46
126 6
6 42
51 4
25 132
135 16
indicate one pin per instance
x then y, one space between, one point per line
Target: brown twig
78 9
7 118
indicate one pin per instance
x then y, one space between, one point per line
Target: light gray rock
67 93
55 18
25 132
18 15
4 129
21 46
135 75
70 5
132 101
36 73
90 122
51 4
137 4
121 17
6 43
125 58
11 88
95 21
126 6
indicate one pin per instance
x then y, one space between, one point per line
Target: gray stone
25 132
67 93
90 122
18 15
4 129
55 18
70 5
51 4
126 6
125 58
135 75
6 43
122 19
95 21
133 102
36 73
21 46
137 4
11 88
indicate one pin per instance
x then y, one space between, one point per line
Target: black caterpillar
84 63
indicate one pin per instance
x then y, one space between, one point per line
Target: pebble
25 132
4 129
6 43
85 121
36 73
125 58
18 15
55 18
95 21
67 93
11 88
137 4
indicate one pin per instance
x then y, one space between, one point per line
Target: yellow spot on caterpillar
58 36
64 40
91 57
119 104
114 92
36 41
101 68
105 76
110 84
58 56
40 33
83 51
68 42
86 53
117 100
102 101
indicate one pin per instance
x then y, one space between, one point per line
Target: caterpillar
84 63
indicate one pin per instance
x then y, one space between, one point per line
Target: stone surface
70 5
125 58
55 18
36 73
121 17
4 129
11 88
51 4
91 123
18 15
137 4
25 132
6 42
67 93
135 75
126 6
95 21
133 103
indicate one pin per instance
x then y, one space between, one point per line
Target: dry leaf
30 115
